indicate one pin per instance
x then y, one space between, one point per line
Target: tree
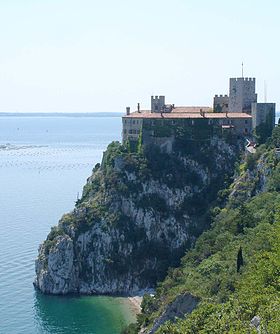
263 130
275 138
239 261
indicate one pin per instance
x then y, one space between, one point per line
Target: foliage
140 143
250 162
234 267
263 131
274 141
130 329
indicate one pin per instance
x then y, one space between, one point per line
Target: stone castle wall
131 128
263 112
242 93
221 103
157 103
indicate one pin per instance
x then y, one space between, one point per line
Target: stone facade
221 103
157 103
263 112
166 128
242 93
238 113
131 128
161 129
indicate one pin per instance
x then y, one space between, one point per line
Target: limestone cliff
208 281
138 214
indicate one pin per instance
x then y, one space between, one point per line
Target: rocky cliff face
182 305
137 216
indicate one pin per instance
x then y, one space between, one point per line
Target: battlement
243 79
158 98
221 103
157 103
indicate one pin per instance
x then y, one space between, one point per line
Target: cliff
229 281
138 214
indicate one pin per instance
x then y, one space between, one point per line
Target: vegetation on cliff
139 212
234 268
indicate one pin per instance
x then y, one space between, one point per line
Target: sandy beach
135 303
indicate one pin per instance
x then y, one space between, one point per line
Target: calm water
42 170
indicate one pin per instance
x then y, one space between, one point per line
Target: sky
101 56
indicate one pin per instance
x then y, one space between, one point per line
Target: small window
124 131
246 121
246 130
156 107
133 122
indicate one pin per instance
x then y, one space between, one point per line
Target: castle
238 113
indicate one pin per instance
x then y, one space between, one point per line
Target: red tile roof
192 109
147 114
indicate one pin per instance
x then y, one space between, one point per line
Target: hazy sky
87 55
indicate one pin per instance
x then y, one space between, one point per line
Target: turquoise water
44 163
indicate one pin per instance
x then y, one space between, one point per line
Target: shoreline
135 304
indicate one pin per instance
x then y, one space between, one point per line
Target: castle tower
263 113
221 103
242 93
157 103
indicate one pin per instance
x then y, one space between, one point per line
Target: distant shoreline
74 114
60 114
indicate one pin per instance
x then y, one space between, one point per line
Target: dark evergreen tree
239 261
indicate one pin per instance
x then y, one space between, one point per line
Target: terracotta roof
178 115
192 109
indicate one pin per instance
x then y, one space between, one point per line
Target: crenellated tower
242 93
157 103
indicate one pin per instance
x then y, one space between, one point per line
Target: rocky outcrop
256 323
252 181
179 308
138 215
59 273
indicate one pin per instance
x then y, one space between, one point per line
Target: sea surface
44 163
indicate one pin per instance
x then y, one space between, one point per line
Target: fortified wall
242 93
263 113
221 103
236 114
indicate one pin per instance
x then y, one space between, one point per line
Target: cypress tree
239 261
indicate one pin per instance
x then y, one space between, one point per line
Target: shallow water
44 163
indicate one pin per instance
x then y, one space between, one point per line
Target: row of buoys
36 165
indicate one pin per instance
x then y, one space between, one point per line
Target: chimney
128 111
202 113
138 107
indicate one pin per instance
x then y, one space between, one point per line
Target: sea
44 163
